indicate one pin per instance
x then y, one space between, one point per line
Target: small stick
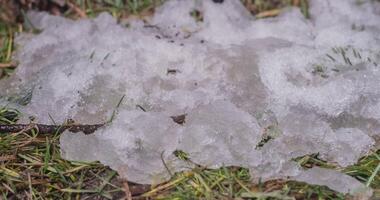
269 13
127 191
76 9
50 129
5 65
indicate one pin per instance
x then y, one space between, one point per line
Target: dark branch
49 129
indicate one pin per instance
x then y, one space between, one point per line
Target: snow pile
312 85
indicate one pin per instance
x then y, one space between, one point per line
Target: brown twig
76 9
4 158
6 65
268 13
50 129
128 194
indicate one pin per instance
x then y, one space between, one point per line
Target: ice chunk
334 180
226 133
136 144
309 84
305 133
127 139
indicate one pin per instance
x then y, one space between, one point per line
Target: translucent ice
333 180
310 84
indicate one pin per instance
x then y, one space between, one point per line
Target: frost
311 85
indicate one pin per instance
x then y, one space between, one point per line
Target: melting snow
311 84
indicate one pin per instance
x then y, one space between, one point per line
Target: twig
164 163
5 65
269 13
50 129
128 194
76 9
4 158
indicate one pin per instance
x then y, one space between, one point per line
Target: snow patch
311 84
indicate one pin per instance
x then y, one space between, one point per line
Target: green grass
118 8
6 49
31 166
367 171
260 6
